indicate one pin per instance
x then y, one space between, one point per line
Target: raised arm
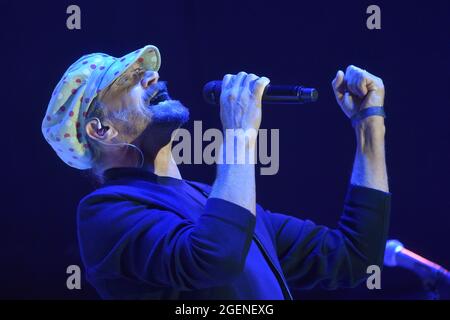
311 254
240 112
356 92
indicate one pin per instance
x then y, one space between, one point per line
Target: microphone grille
309 94
392 248
211 92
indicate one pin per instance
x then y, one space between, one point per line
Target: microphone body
273 94
397 255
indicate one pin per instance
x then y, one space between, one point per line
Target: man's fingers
227 81
349 79
373 83
248 81
338 85
362 85
356 89
356 80
237 83
360 81
259 86
244 83
338 81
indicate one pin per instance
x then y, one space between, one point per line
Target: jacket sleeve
313 255
121 238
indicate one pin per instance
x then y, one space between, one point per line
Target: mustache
156 90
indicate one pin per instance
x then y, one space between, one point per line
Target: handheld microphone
397 255
273 94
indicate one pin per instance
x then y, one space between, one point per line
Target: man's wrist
369 169
235 178
370 133
238 150
373 125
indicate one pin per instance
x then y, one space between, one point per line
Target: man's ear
100 132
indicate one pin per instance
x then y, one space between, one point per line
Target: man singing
146 233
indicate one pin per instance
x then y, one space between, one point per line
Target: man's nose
150 77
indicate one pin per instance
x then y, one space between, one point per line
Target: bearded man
147 233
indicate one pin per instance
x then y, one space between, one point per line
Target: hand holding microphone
359 93
240 100
272 94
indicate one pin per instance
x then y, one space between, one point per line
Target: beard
170 113
163 119
162 110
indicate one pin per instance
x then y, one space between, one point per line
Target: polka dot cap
63 126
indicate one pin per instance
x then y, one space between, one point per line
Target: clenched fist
357 89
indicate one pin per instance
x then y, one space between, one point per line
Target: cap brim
148 56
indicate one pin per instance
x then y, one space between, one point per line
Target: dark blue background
288 41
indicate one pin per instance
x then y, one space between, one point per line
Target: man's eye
122 81
138 73
134 76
